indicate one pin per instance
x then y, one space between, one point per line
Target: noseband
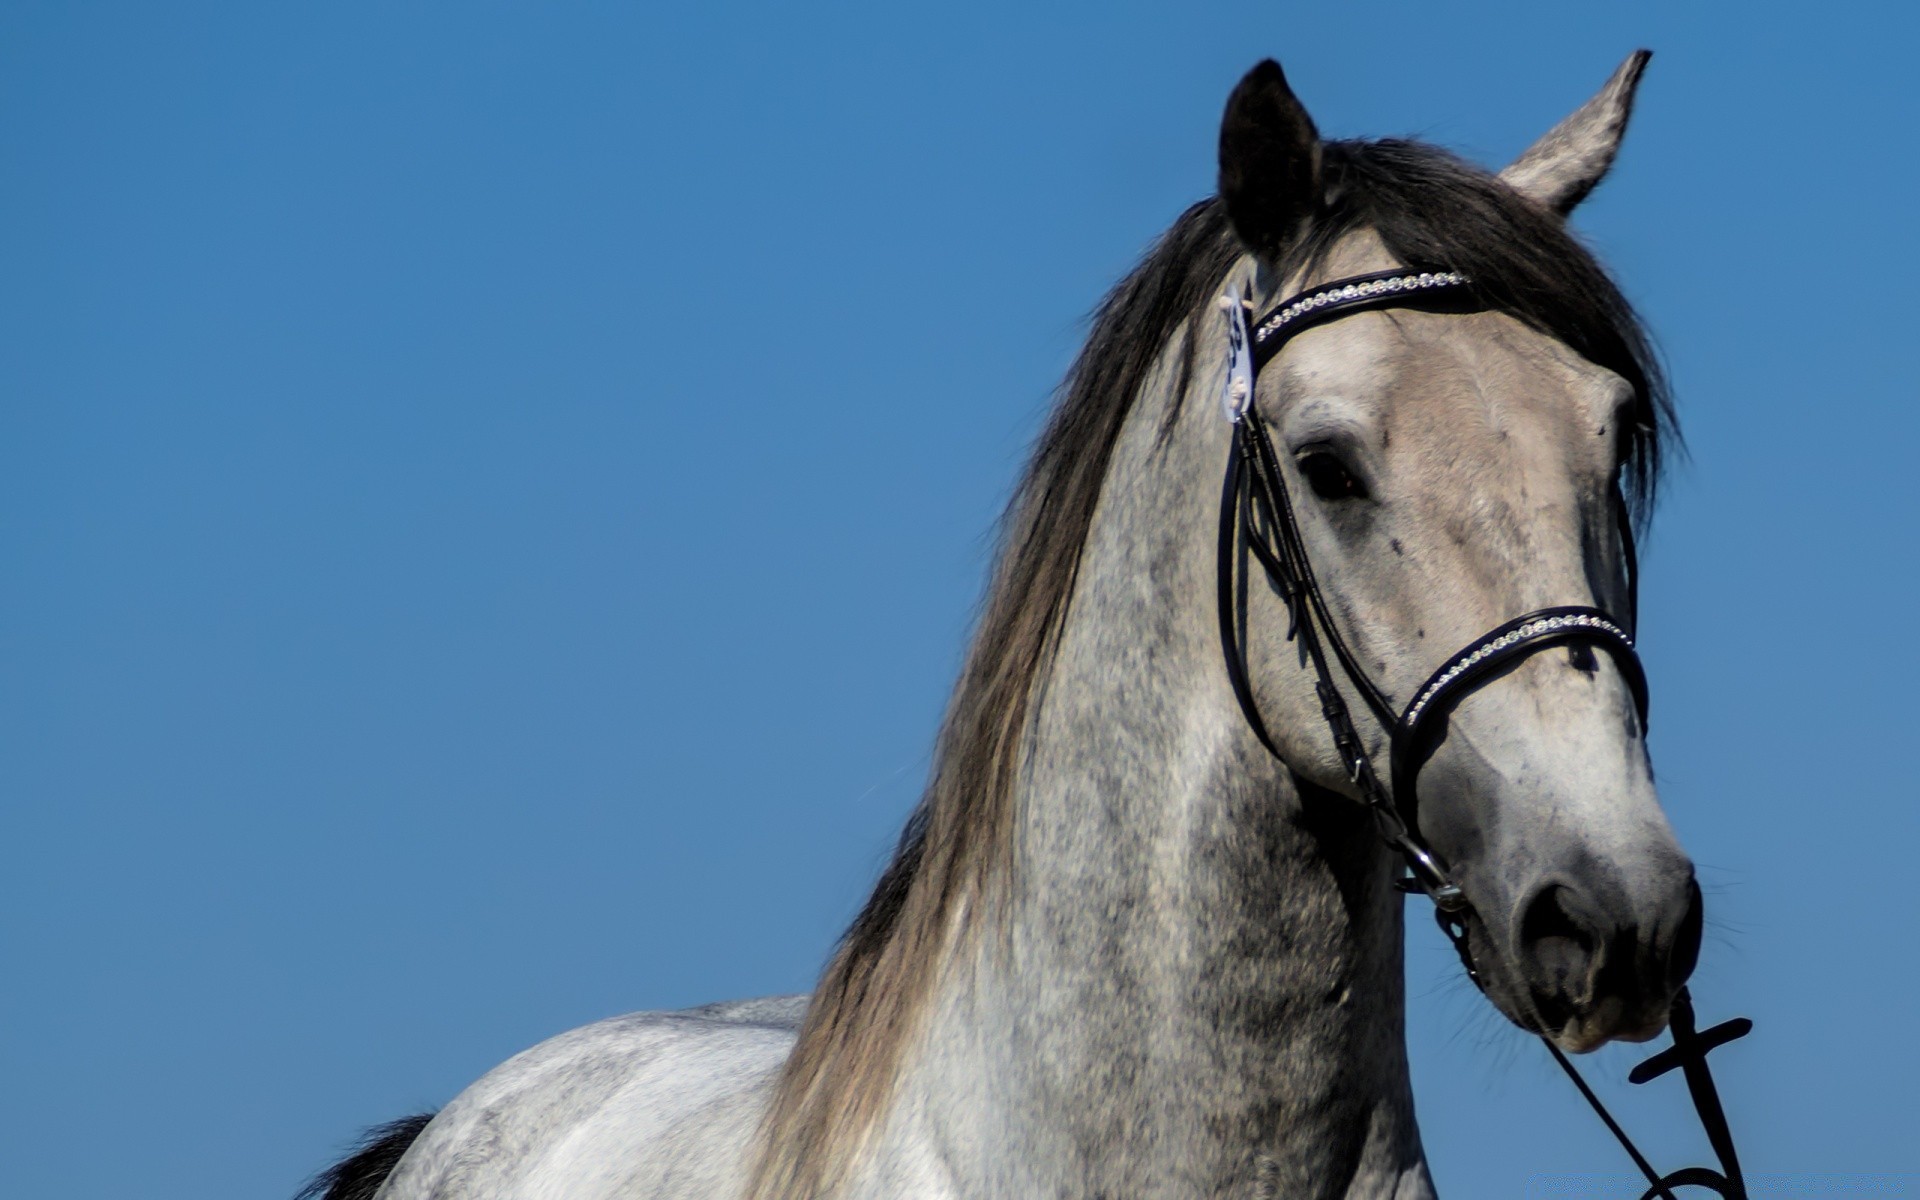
1257 511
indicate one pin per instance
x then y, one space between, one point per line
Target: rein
1256 511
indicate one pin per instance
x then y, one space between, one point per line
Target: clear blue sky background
491 497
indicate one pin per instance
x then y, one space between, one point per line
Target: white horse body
1124 950
661 1104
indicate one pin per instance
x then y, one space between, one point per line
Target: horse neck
1192 981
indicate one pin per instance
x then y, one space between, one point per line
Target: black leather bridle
1256 511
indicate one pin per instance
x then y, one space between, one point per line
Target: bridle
1256 511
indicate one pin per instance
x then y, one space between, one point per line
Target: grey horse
1123 950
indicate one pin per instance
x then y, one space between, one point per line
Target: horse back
659 1104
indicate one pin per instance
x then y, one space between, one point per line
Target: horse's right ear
1269 161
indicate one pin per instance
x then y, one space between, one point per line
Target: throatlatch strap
1254 502
1226 581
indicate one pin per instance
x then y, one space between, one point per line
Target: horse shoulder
650 1104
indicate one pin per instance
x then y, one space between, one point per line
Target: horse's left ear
1269 161
1561 168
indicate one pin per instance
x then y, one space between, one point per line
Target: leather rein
1256 512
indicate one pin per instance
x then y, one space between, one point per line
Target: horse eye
1329 477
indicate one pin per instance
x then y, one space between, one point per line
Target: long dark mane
1432 211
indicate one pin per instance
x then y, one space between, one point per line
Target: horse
1142 936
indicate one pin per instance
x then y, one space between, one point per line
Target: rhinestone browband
1342 297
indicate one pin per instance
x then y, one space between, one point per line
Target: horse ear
1269 161
1572 158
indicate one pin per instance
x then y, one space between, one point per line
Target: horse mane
1432 211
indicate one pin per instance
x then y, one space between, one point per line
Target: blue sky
492 495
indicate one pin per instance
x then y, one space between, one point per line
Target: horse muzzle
1589 963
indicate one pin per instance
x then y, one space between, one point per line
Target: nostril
1559 947
1686 939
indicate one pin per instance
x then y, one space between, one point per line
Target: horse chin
1575 1029
1588 1032
1586 1028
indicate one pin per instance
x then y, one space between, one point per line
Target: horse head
1448 467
